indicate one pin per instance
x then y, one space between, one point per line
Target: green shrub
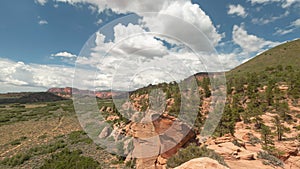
79 136
273 151
50 148
192 152
16 160
70 160
253 140
270 159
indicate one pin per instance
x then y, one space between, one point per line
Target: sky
97 44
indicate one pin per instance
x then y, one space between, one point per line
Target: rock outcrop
201 163
155 142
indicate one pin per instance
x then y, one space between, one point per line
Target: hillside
287 54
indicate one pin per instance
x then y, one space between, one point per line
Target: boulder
201 163
105 132
250 156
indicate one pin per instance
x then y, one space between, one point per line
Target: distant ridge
32 98
68 91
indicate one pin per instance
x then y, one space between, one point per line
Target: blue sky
49 34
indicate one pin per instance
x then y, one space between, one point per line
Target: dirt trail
7 151
59 123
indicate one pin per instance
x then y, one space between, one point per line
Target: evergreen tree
269 93
266 135
279 127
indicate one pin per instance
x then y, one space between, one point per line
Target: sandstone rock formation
155 142
201 163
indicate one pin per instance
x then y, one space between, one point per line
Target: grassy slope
285 54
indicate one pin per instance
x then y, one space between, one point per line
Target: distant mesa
68 91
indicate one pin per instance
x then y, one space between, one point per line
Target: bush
16 160
192 152
273 151
270 159
79 136
70 160
253 140
45 149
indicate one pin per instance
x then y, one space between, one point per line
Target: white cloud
41 2
99 21
43 22
92 8
135 53
284 3
263 21
18 76
250 43
133 49
288 3
283 32
263 1
237 10
124 6
296 23
64 54
182 9
185 12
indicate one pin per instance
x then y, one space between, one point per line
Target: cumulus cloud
136 6
237 10
41 2
19 76
43 22
136 57
182 9
99 21
136 47
64 54
250 43
296 23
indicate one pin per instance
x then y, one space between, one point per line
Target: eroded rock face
156 141
201 163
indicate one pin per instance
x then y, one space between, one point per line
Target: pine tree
266 135
269 93
279 127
